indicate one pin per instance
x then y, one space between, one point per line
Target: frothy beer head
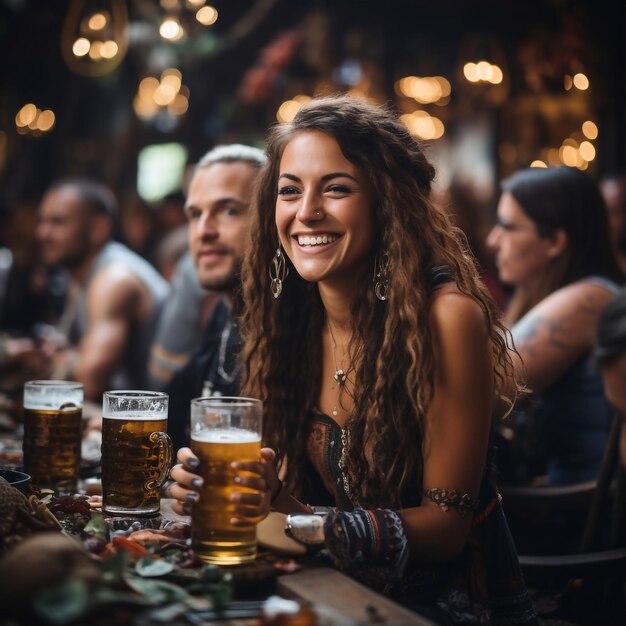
226 436
134 405
53 395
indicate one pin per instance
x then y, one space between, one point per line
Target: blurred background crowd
132 93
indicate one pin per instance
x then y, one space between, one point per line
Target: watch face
306 528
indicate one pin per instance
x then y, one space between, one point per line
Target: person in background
181 324
378 355
613 188
552 245
463 206
610 353
114 298
218 198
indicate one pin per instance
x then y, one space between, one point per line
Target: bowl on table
15 477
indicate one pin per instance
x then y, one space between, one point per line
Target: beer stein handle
166 445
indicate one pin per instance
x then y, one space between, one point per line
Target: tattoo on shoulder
534 331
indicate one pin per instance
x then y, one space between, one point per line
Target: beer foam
226 435
127 416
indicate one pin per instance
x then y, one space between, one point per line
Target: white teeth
306 240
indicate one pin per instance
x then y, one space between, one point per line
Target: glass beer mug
136 451
223 429
53 411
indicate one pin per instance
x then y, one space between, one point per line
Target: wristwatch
306 528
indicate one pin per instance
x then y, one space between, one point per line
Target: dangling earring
381 276
278 272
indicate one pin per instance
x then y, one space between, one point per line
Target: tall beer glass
223 429
53 411
136 451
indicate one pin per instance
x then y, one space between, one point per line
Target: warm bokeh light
173 78
207 15
483 71
97 21
95 50
445 86
590 130
154 95
46 121
497 76
109 49
195 3
164 94
81 47
587 151
554 158
538 163
425 90
179 105
470 71
569 155
26 115
171 29
567 82
580 82
30 119
423 126
288 109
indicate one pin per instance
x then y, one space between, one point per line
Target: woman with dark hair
552 244
380 362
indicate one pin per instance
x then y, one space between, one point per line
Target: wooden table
324 586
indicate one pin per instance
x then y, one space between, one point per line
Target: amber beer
136 451
223 430
52 433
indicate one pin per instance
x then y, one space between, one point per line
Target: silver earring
381 276
278 272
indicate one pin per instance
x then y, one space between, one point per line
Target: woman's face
324 211
521 254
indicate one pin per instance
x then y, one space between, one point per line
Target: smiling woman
324 211
376 352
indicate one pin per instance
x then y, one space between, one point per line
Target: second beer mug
223 430
136 451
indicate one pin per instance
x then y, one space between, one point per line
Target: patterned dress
481 585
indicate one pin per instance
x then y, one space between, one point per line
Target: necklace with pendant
340 379
340 375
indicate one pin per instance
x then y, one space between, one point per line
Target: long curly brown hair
393 362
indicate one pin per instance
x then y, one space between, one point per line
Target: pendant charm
340 377
334 411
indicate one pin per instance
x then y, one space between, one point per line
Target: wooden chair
581 565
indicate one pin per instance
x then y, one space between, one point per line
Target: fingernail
237 479
234 497
234 464
191 497
187 508
193 463
196 482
